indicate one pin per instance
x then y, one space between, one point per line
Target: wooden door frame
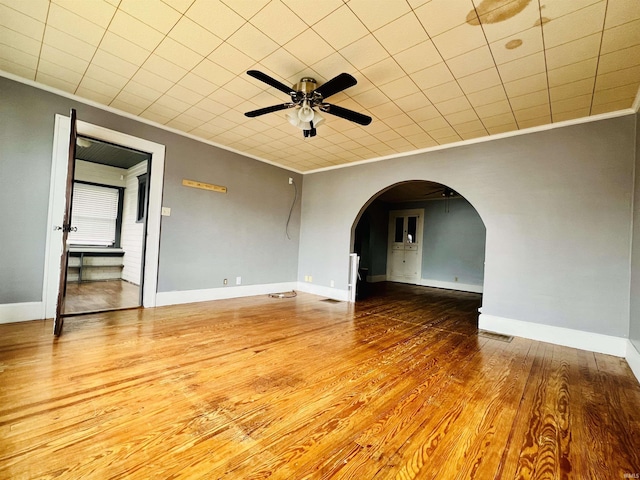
420 238
53 247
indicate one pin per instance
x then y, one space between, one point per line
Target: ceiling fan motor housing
306 90
306 85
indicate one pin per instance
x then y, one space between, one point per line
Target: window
94 214
399 234
412 228
142 198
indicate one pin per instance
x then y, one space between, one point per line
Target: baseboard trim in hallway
567 337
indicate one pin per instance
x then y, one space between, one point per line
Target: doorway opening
109 210
151 236
420 233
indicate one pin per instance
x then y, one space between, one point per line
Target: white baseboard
462 287
321 291
633 359
376 278
21 312
592 342
425 282
204 295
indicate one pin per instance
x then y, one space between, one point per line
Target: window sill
104 250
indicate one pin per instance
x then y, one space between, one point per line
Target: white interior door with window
404 258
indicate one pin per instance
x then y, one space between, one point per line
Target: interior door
404 259
66 226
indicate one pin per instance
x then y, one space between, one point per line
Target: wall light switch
166 211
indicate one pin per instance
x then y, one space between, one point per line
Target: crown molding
489 138
636 103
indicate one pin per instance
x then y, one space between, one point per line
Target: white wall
556 205
97 173
132 231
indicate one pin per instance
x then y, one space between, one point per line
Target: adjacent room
109 205
344 239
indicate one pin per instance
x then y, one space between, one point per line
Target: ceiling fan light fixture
317 119
83 142
292 118
305 114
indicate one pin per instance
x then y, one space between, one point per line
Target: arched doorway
420 233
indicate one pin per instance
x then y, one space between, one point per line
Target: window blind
94 214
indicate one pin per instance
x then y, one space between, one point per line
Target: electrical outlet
225 281
310 279
238 280
306 278
456 279
166 211
290 181
333 284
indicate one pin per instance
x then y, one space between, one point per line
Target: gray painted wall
208 236
634 328
453 242
556 205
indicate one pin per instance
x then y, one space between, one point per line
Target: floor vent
331 300
495 336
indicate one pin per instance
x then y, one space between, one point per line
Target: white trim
376 278
122 113
461 287
636 102
208 294
354 274
592 342
633 359
59 159
322 291
21 312
56 206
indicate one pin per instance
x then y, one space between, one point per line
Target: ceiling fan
305 96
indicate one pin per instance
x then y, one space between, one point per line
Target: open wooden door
66 226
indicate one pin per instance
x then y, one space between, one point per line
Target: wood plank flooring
100 296
399 386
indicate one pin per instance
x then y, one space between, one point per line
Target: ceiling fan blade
263 77
336 84
273 108
345 113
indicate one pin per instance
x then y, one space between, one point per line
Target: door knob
66 228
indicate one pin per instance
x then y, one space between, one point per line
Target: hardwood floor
99 296
307 389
